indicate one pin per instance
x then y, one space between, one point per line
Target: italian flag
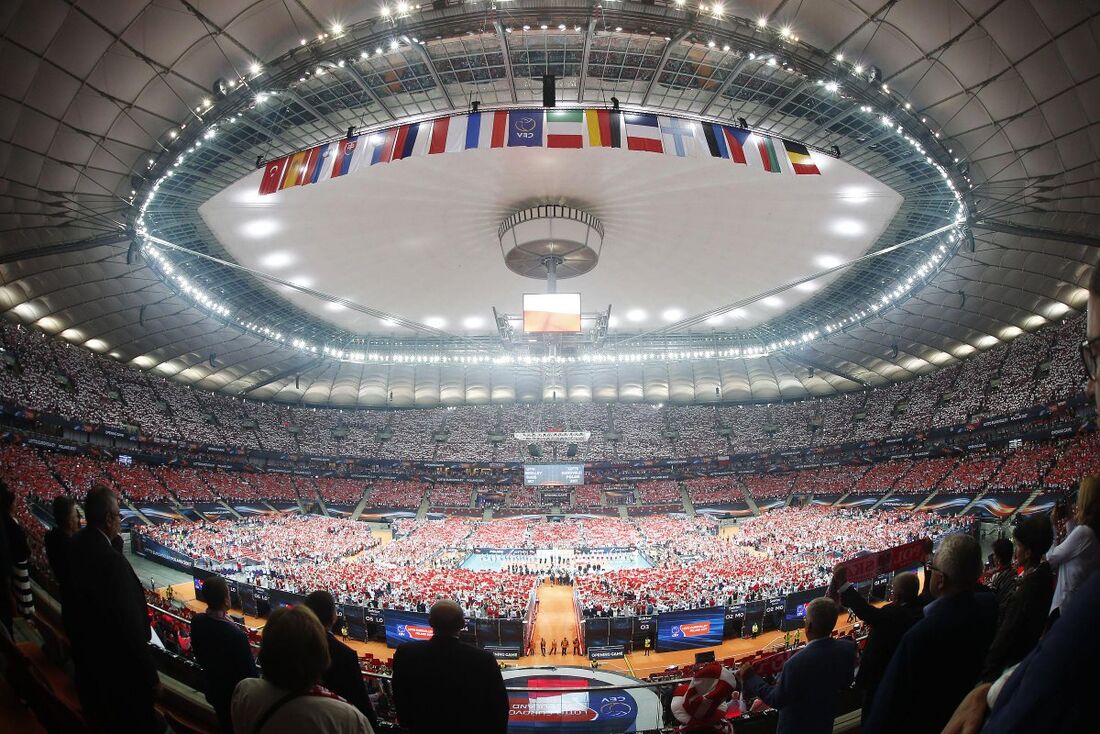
565 129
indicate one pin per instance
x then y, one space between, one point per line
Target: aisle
556 619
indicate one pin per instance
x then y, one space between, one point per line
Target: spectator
344 677
1024 613
1078 554
20 553
289 698
940 657
450 676
888 623
59 537
1002 581
5 582
108 626
807 690
222 649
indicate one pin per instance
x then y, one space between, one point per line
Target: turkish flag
273 174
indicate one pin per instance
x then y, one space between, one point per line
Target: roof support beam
269 133
282 374
308 107
726 83
121 239
661 64
798 88
435 74
1039 233
583 76
504 52
350 69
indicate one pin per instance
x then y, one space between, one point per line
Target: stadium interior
635 328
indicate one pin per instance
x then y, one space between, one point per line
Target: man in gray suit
807 690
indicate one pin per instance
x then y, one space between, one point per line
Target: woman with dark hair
289 698
19 552
59 537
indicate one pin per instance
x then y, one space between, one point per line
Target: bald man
888 624
940 658
444 685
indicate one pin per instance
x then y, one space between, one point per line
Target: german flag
800 158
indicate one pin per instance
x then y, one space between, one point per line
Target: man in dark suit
807 690
938 660
108 626
445 685
344 677
221 648
888 624
59 537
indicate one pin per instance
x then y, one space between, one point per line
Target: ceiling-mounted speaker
571 451
549 91
534 450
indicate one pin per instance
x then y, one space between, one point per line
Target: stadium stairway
623 513
750 501
362 504
882 499
422 511
926 500
841 499
689 507
133 508
487 514
324 510
972 502
231 508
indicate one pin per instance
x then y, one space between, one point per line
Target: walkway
556 619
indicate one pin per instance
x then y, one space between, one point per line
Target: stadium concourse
659 366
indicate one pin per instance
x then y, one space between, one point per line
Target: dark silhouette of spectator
19 551
1002 582
939 659
6 612
808 688
1024 614
221 648
888 624
289 698
344 677
445 685
108 625
59 537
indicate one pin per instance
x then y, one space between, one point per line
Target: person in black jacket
940 658
108 626
20 554
221 648
1025 612
344 677
444 685
888 624
59 537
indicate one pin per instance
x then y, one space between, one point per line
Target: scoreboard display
553 475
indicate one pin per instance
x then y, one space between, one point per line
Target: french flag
643 132
412 140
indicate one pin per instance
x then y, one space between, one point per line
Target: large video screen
402 627
552 475
690 629
553 313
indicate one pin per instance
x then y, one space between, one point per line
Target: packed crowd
52 376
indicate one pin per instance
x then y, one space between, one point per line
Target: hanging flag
735 141
604 128
316 162
679 136
294 170
642 132
273 174
411 140
565 129
345 154
768 158
800 158
525 129
716 140
486 129
382 151
448 134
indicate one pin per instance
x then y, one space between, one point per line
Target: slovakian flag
564 129
604 128
643 132
273 174
486 129
679 136
525 129
411 140
768 158
800 158
347 151
448 135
